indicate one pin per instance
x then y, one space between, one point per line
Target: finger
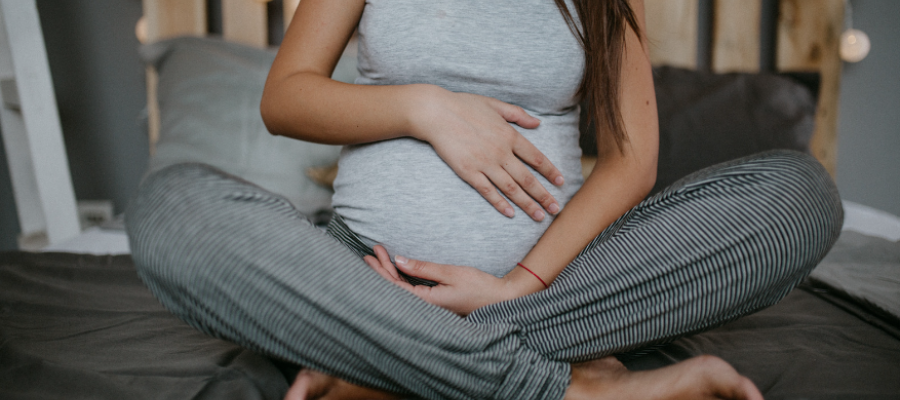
532 186
515 114
751 391
427 293
529 154
299 388
319 386
515 193
376 266
310 385
439 273
386 263
483 185
373 262
443 296
399 281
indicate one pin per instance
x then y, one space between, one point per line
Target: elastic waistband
338 229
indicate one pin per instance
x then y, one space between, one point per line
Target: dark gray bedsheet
822 341
76 327
806 347
85 327
866 270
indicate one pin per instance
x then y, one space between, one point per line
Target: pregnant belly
400 194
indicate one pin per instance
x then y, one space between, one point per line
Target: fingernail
538 215
554 208
401 260
509 212
559 181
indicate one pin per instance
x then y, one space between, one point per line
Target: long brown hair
602 36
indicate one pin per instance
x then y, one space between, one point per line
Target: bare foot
312 385
703 377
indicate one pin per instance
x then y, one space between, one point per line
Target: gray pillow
706 119
209 93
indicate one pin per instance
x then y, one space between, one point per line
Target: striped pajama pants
240 263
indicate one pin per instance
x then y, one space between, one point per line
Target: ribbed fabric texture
721 243
339 229
241 263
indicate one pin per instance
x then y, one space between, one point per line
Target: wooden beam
164 19
809 41
245 21
672 32
153 117
735 38
170 18
290 6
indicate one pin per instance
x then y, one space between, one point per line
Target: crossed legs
240 263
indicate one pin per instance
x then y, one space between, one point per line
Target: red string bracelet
535 275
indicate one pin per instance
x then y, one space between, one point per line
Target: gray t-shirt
399 193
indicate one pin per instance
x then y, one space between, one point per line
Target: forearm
613 188
300 100
311 107
618 182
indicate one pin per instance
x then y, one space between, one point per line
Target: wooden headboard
807 36
806 40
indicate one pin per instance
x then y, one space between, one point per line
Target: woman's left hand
460 289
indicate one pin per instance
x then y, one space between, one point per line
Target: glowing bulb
855 45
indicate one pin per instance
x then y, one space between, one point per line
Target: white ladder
32 136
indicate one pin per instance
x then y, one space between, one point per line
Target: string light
855 44
140 30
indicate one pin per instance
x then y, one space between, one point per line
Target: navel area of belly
419 208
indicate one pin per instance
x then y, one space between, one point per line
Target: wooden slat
672 32
165 19
153 118
289 7
808 40
31 130
244 21
735 38
170 18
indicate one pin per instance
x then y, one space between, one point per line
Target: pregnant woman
458 102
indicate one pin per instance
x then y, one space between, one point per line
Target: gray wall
99 84
869 115
9 224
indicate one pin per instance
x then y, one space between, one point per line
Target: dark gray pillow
209 93
706 119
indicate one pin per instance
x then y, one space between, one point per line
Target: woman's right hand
472 134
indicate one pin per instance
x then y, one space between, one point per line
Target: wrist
521 282
420 110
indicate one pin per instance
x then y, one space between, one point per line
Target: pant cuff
535 377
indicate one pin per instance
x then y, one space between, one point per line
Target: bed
76 322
